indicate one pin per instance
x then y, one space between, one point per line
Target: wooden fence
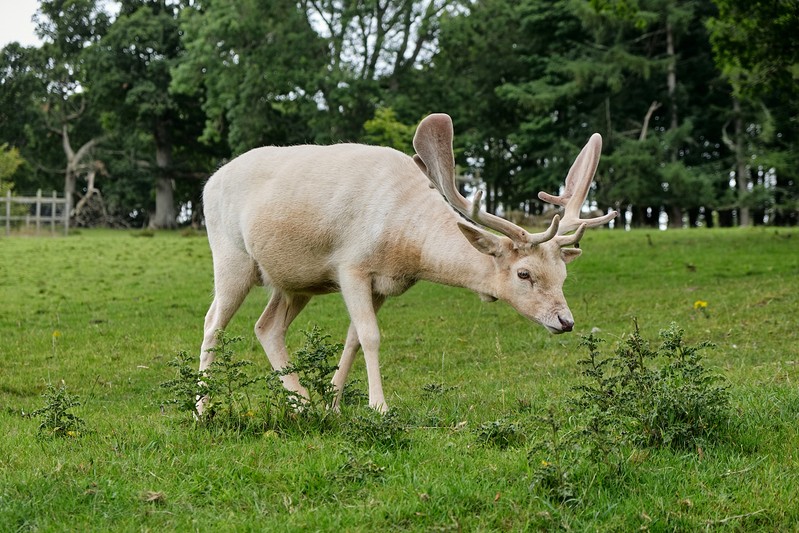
34 212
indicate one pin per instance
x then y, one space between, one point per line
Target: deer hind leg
357 292
234 274
271 329
351 347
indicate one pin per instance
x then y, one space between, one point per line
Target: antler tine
578 183
433 145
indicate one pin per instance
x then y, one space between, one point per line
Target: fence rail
40 211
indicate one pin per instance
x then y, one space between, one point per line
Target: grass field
105 311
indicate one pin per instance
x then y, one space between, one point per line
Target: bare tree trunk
75 163
741 172
671 76
675 210
165 216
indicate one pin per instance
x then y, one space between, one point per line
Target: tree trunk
675 216
671 76
165 216
741 173
74 164
674 211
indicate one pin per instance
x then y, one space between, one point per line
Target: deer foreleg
357 292
351 347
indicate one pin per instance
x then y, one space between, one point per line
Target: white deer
364 220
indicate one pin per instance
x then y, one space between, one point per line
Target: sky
16 23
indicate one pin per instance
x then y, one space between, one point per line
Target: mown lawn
105 311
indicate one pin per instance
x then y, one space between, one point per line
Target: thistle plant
649 396
224 385
56 420
313 364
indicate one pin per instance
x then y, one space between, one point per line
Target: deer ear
570 254
483 241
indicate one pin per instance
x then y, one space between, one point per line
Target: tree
130 76
68 28
614 67
254 65
754 45
320 74
10 161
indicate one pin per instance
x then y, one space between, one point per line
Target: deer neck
448 258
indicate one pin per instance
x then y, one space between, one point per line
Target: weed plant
55 417
225 386
501 434
638 397
314 365
650 397
371 429
232 401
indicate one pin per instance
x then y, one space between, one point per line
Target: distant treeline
130 111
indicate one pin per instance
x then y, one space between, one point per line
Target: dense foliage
129 111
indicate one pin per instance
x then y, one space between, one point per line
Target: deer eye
523 274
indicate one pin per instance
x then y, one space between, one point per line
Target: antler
578 183
433 145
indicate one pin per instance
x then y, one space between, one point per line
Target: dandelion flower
700 304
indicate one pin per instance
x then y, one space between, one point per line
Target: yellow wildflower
700 304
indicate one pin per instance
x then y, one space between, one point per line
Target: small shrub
186 387
56 420
548 459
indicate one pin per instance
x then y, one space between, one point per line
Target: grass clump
56 418
502 434
372 429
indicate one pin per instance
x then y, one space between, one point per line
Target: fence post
52 215
67 210
38 210
8 212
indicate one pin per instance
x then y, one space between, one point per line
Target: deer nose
567 324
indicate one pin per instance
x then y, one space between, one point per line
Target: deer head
530 267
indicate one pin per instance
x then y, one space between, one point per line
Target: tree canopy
130 111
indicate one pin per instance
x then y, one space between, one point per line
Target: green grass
106 311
